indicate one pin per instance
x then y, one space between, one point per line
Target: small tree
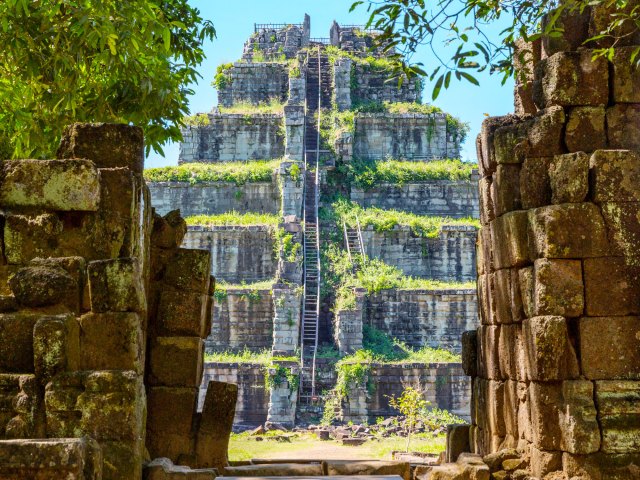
409 404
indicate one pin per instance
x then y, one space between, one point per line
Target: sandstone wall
255 83
434 318
449 256
233 137
242 319
211 198
403 136
238 253
371 85
439 197
253 398
558 352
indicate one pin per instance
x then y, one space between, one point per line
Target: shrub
222 78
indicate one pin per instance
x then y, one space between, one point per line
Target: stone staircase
318 96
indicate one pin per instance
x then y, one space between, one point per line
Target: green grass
367 174
234 218
306 446
373 274
262 357
273 106
385 220
231 172
222 289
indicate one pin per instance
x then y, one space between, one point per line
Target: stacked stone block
255 83
276 41
558 365
179 321
74 257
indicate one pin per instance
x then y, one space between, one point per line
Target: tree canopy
407 24
64 61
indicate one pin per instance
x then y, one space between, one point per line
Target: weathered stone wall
439 197
253 398
242 318
403 136
211 198
96 299
435 318
446 386
558 352
449 256
233 137
255 83
238 253
274 41
371 85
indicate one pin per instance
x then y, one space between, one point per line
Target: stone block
508 350
181 313
623 126
176 362
571 79
509 235
470 353
488 361
485 247
55 458
510 143
215 425
168 231
122 459
527 290
108 145
116 286
585 130
457 441
625 32
505 189
623 227
546 133
16 342
56 346
61 185
112 406
601 466
558 288
611 287
569 230
615 176
626 77
485 300
545 462
574 28
171 410
569 178
42 286
563 416
487 208
487 132
619 414
550 356
500 285
28 236
610 347
277 470
189 269
495 408
535 188
164 469
20 406
111 341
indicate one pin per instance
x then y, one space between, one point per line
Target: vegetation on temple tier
223 288
234 218
366 174
334 122
382 220
378 347
233 172
273 106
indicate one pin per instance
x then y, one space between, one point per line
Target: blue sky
234 23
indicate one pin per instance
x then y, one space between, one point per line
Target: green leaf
437 87
470 78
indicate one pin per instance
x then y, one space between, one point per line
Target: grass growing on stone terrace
366 174
372 274
273 106
260 357
233 218
223 288
231 172
385 220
